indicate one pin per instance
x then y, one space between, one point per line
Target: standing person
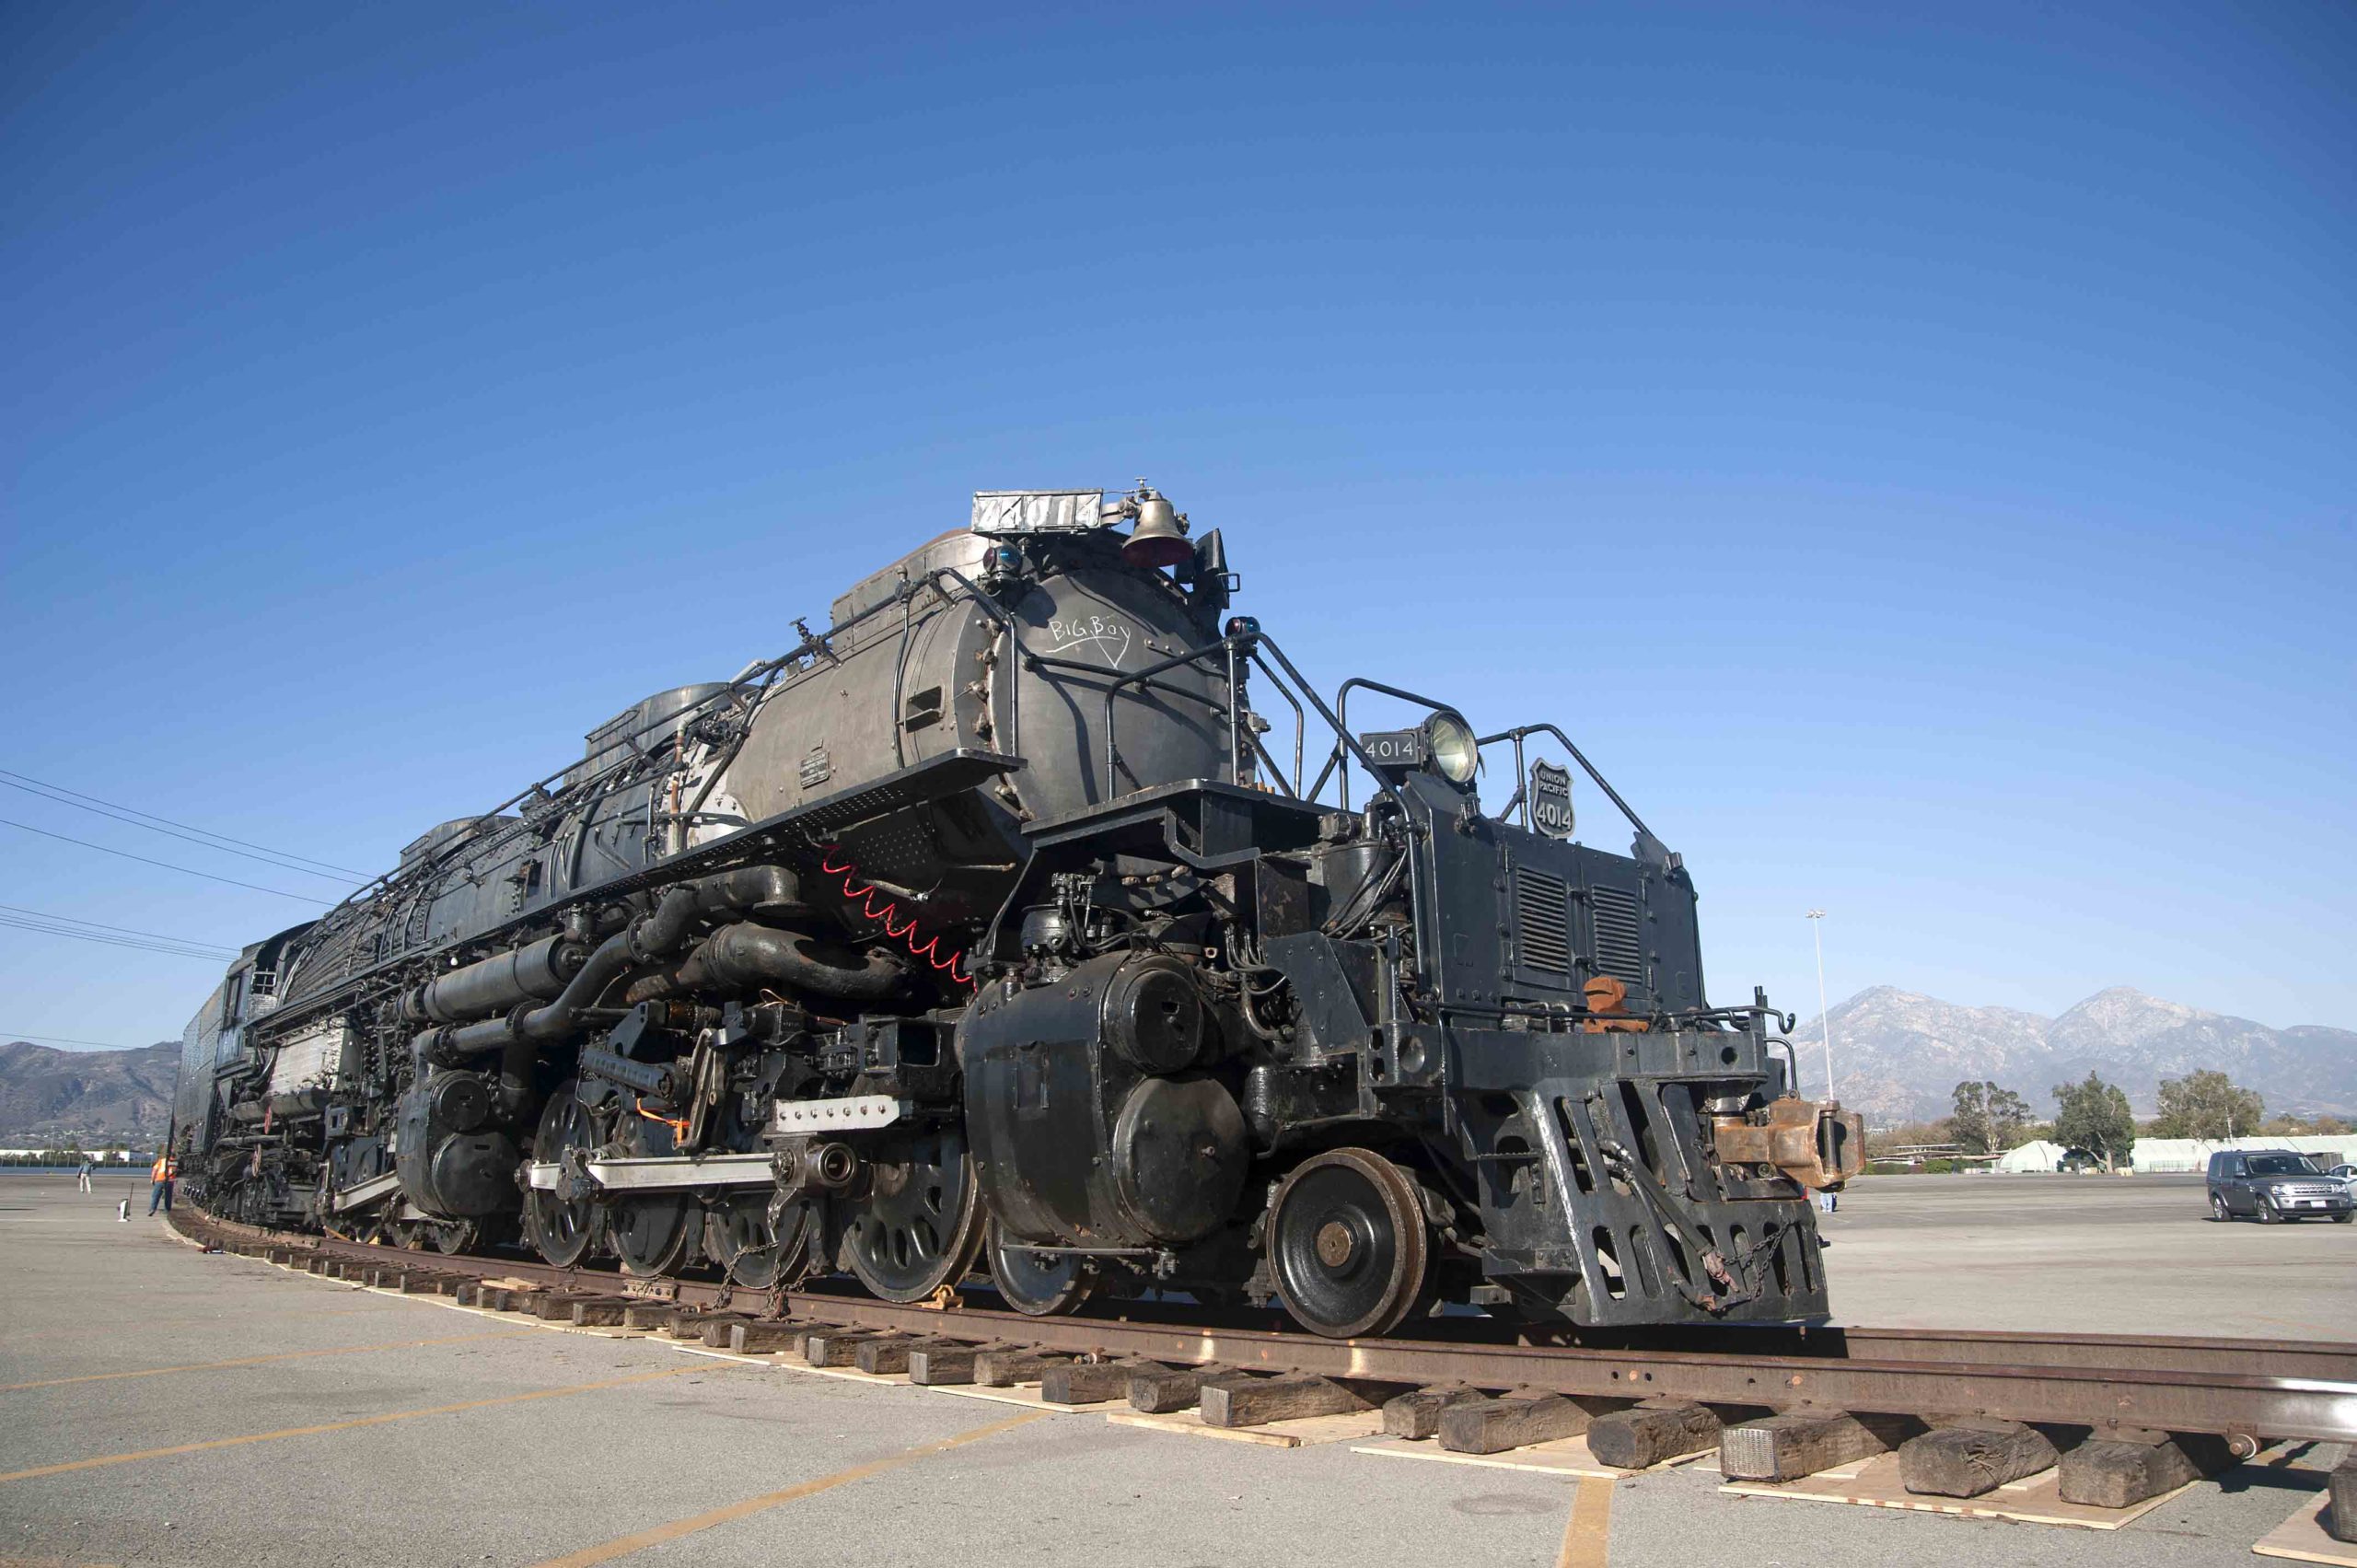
86 1173
160 1176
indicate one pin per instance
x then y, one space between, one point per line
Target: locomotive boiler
1003 928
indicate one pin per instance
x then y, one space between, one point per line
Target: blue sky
1914 454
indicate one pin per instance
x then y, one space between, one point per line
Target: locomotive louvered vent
1618 949
1542 920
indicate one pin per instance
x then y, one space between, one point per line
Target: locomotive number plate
1551 799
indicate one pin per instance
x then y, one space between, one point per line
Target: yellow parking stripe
107 1460
622 1546
1587 1534
254 1360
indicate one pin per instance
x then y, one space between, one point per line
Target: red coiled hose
864 896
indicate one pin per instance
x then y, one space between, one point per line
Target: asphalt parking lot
161 1406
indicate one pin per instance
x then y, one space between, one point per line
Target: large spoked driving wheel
917 1230
763 1239
1040 1284
562 1224
654 1232
1347 1243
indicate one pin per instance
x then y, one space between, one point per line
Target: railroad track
2135 1411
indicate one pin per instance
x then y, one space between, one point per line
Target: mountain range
99 1096
1897 1055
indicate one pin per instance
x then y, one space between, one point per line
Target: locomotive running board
655 1172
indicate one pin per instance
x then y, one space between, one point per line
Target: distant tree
2314 1127
2207 1105
2094 1117
1986 1117
1907 1135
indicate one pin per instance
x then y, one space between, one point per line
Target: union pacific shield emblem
1551 799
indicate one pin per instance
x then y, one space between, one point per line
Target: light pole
1824 1013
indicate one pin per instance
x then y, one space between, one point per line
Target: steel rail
2254 1388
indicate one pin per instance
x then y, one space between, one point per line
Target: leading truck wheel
1038 1284
1347 1242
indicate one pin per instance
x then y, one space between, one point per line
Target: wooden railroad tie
1165 1392
2340 1500
2118 1468
1966 1456
1416 1414
1645 1436
1492 1426
1799 1442
881 1358
1282 1398
1003 1368
942 1365
599 1312
840 1347
1091 1382
760 1338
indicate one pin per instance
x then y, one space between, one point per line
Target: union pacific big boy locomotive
997 927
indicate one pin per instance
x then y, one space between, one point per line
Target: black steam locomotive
997 926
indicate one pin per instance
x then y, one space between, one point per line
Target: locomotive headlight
1448 741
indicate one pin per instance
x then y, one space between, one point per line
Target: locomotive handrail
1519 733
1145 678
1341 729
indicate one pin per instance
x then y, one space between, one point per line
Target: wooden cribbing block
1785 1448
1266 1399
1087 1382
879 1357
1417 1414
2118 1468
1645 1434
687 1325
758 1339
556 1305
1492 1426
1160 1393
1005 1368
836 1347
2341 1501
933 1366
593 1313
718 1326
1965 1459
648 1315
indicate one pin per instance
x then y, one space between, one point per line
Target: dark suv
2276 1185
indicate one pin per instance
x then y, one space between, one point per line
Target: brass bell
1160 538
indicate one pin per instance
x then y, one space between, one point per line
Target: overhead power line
232 881
283 859
63 1039
118 930
210 955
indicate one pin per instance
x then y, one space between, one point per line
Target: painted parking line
256 1360
105 1460
1587 1534
622 1546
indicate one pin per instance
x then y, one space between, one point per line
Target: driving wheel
1347 1244
919 1226
761 1239
562 1224
654 1232
2218 1208
1041 1284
